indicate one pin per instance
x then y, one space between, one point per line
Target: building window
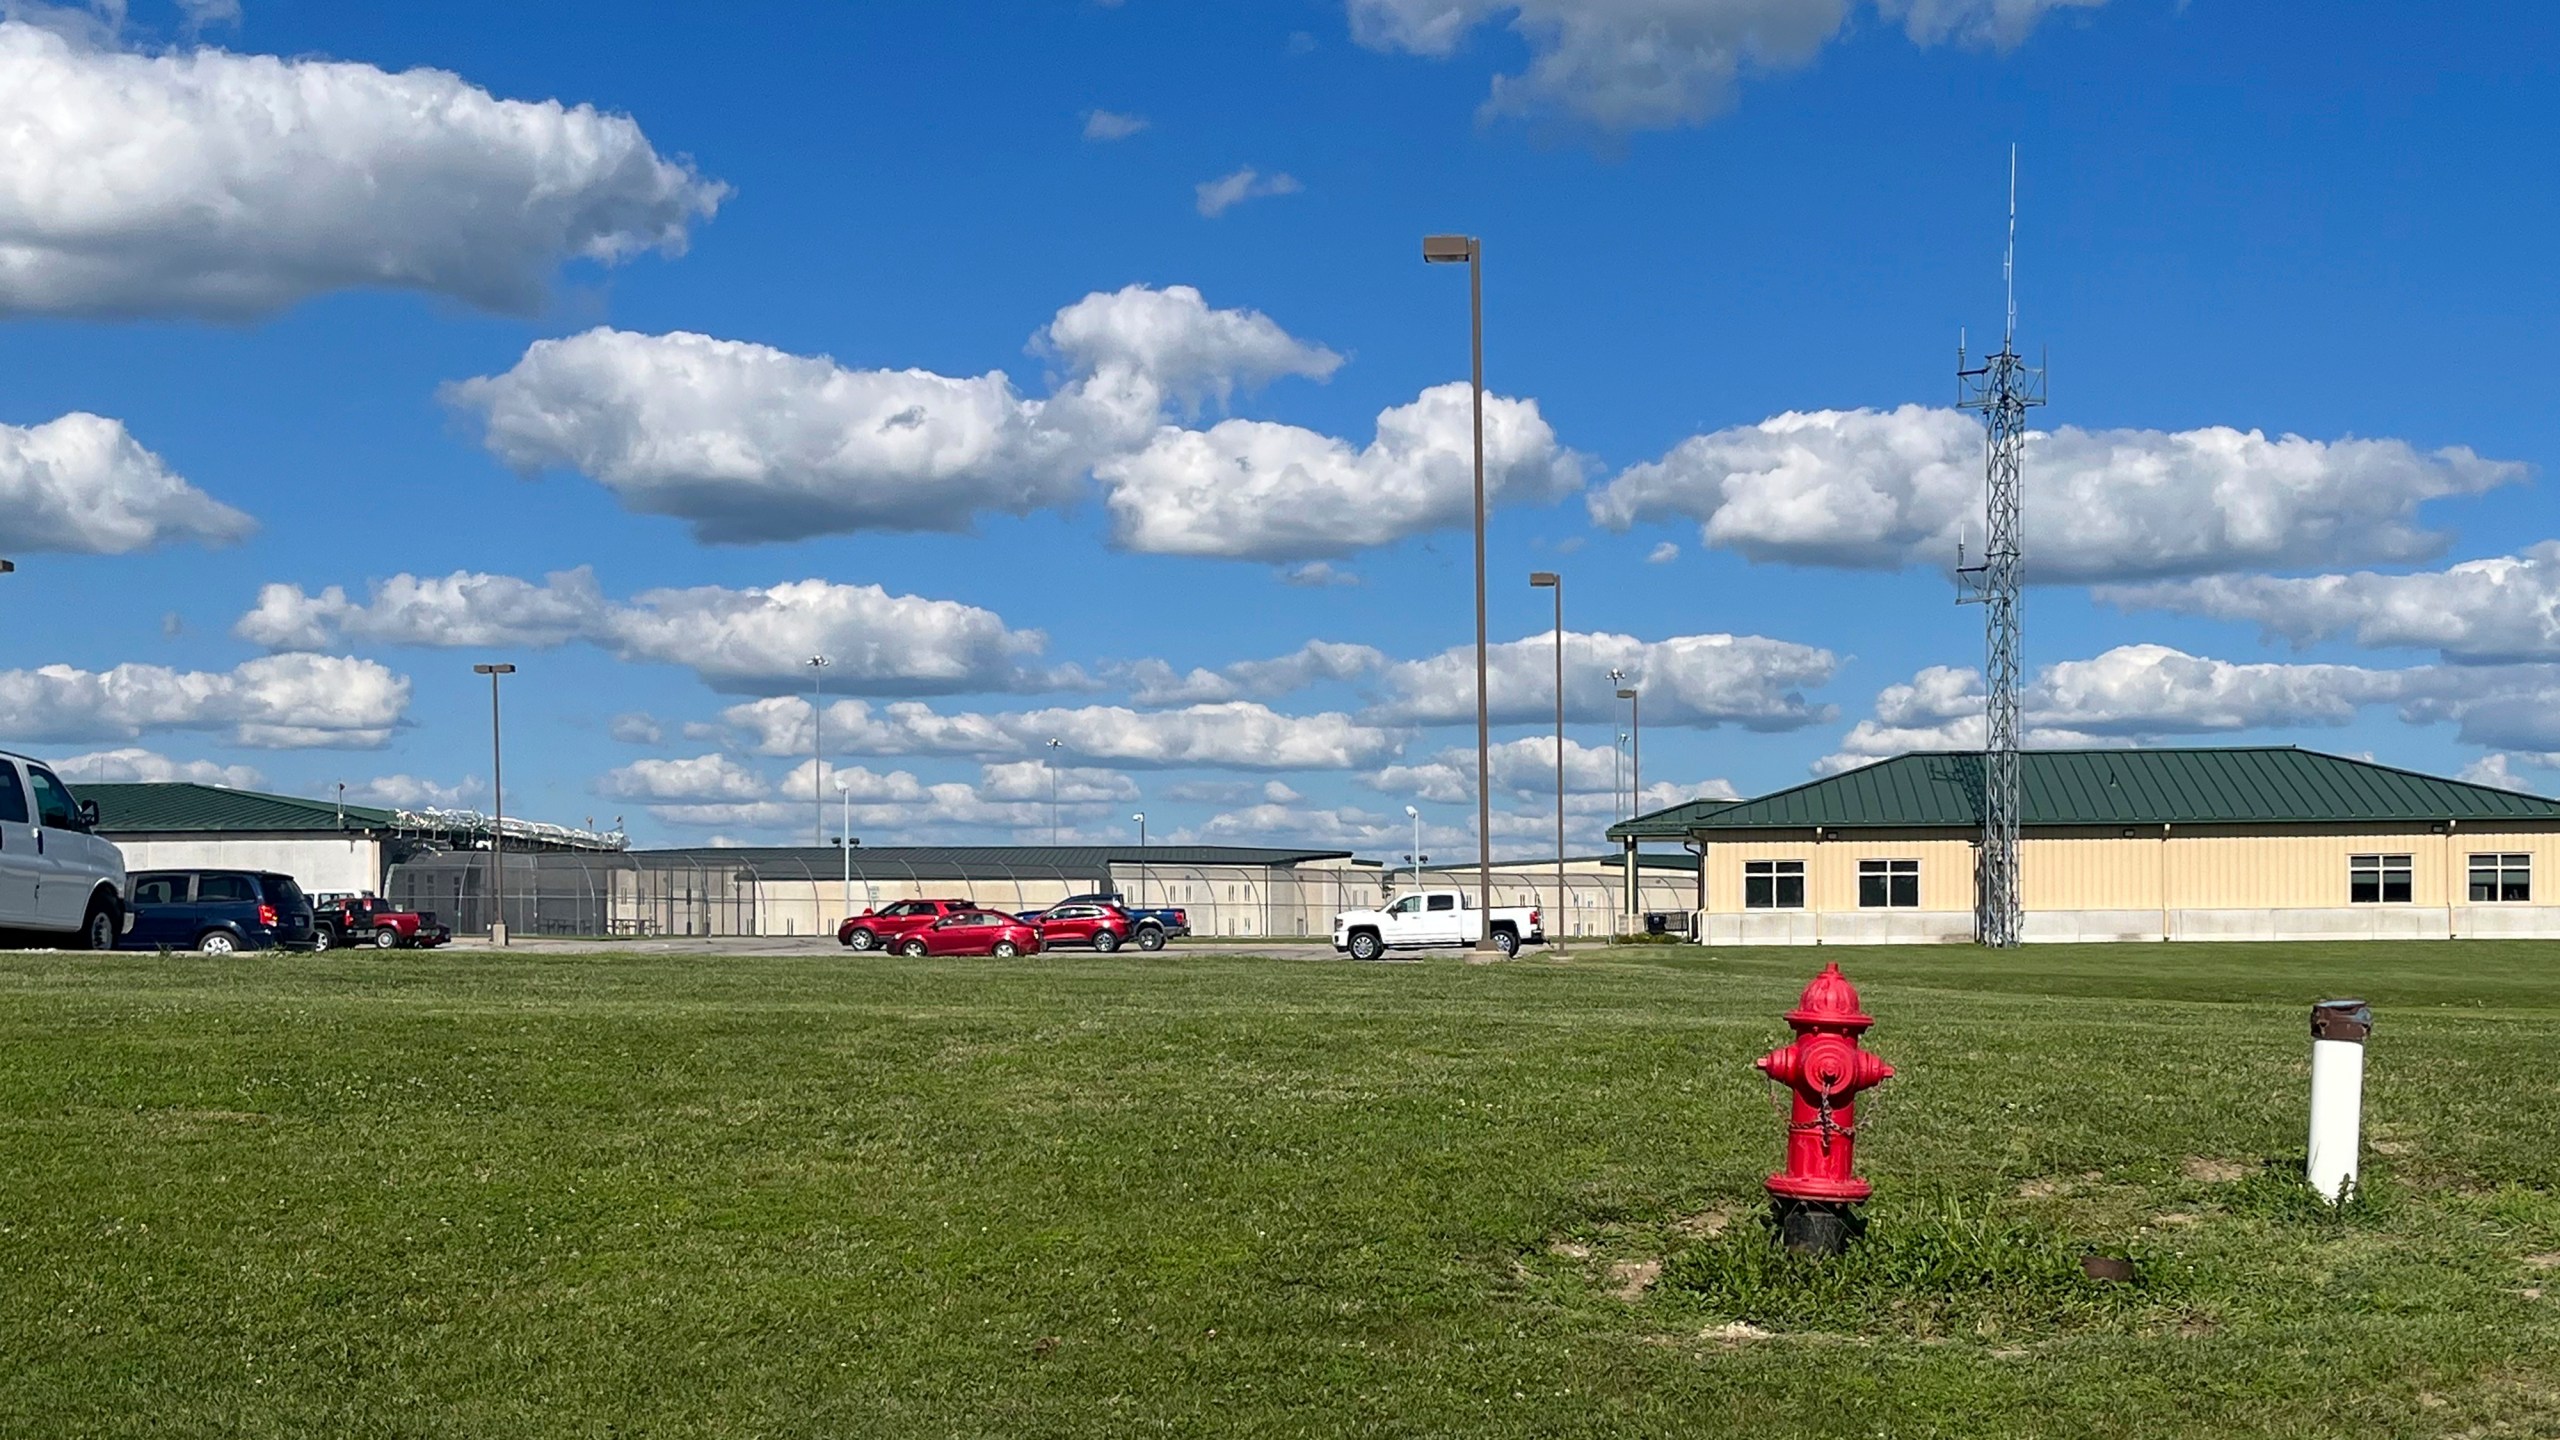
2501 878
1773 884
1888 884
2378 879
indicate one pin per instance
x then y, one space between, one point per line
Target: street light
8 567
1635 785
497 803
1449 250
1550 580
1141 818
1054 745
818 741
1416 857
844 788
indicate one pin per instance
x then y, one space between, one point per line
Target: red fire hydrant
1824 1069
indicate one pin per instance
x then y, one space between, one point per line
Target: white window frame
2383 868
1890 872
2505 867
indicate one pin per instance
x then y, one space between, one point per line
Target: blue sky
430 354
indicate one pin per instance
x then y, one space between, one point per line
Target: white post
2338 1031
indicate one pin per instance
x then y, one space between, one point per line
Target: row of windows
2371 880
1882 885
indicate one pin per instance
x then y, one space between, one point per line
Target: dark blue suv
217 912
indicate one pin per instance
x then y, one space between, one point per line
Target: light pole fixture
8 567
1415 816
1141 818
1635 752
498 805
1450 250
844 788
818 741
1550 580
1055 744
1635 787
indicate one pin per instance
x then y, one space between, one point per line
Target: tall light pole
1054 745
818 742
1635 787
1617 776
844 788
1449 250
1416 857
1141 818
1550 580
498 804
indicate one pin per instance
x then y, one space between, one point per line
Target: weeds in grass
2278 1192
1937 1268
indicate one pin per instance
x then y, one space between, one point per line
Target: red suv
1104 927
883 931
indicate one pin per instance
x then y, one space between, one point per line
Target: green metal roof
2225 786
1672 824
139 809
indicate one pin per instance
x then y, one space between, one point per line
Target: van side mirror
88 814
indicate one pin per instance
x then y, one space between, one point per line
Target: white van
57 878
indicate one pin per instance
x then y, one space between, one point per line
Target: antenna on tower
2002 388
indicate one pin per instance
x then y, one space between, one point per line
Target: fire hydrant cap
1831 1002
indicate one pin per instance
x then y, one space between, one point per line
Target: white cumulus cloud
200 182
1216 197
1881 489
1237 735
1698 680
2504 608
134 764
1256 490
277 702
1655 64
750 641
83 485
748 443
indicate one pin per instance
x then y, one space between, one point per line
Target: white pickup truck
1433 920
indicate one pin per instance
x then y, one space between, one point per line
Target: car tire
217 943
1151 938
386 938
98 930
1507 941
913 950
323 938
1106 941
861 940
1365 946
1005 950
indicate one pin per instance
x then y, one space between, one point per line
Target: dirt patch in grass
2209 1170
1706 1224
1569 1249
2546 1260
1630 1279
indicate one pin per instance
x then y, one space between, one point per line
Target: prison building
2261 843
327 846
1238 890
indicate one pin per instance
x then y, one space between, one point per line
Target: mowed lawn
1214 1195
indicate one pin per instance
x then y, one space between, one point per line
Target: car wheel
1006 950
1506 941
323 938
1106 941
216 942
1151 938
386 939
98 932
1365 946
862 940
913 949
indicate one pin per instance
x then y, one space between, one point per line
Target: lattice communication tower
2002 388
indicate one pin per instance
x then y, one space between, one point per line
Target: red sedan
977 932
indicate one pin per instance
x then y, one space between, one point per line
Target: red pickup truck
884 929
370 920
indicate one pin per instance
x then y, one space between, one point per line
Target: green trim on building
2262 785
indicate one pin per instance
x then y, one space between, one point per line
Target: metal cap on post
2339 1029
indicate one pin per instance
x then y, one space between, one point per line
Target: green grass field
1214 1195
